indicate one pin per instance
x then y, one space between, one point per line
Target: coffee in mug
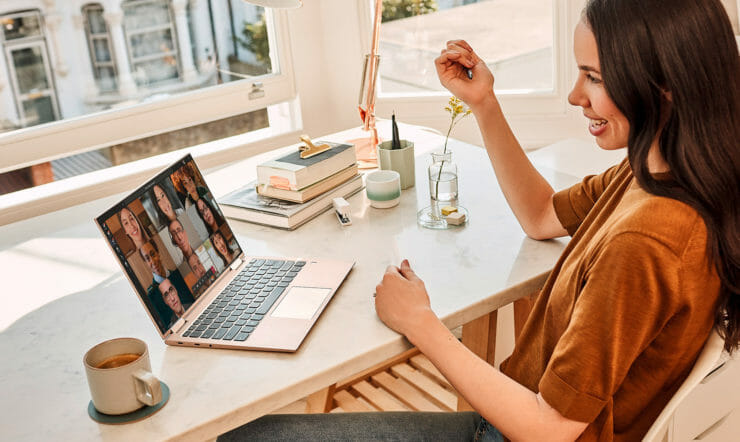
118 360
120 376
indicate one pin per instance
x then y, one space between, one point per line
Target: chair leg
321 401
479 335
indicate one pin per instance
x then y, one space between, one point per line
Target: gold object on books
311 149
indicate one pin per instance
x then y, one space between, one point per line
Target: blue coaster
134 416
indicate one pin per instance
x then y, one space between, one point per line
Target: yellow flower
456 108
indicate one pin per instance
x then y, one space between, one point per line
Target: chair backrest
710 354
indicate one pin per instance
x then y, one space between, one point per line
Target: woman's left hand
401 300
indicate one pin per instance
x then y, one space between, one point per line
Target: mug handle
148 388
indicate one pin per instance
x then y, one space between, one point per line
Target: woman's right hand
451 66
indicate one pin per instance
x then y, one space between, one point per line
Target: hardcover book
310 192
291 172
246 205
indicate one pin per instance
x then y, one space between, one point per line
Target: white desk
64 292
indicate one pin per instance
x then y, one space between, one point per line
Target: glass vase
443 191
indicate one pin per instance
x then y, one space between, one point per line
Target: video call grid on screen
171 239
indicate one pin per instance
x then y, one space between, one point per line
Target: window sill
58 195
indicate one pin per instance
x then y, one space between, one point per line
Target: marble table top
63 292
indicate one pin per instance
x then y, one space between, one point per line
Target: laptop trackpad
301 302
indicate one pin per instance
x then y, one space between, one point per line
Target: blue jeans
381 426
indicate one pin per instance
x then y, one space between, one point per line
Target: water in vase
443 190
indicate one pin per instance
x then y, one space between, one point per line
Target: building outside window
96 60
101 52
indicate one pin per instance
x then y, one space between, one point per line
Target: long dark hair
216 215
674 64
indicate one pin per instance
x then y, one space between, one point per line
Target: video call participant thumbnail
150 254
132 226
171 298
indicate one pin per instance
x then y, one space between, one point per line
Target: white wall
327 61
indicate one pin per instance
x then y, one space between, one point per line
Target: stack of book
291 190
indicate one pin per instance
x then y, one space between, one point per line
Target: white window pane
38 110
150 43
514 37
28 64
106 79
101 49
95 20
145 14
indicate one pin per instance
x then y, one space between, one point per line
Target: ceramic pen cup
120 377
401 160
383 188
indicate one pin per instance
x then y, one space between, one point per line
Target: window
152 48
526 43
24 44
101 53
514 37
113 75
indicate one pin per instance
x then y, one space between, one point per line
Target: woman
165 210
222 248
133 228
652 266
210 217
185 185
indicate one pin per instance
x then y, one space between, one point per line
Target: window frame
34 145
29 42
91 38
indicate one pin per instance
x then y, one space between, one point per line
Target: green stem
441 165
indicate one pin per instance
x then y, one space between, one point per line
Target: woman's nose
576 96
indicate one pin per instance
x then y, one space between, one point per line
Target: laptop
196 282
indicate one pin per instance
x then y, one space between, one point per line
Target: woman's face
189 185
205 212
220 244
130 225
606 122
164 203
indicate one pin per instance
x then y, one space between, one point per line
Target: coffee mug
120 376
401 160
383 188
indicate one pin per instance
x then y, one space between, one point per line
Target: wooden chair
409 381
705 365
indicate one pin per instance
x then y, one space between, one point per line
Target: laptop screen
171 239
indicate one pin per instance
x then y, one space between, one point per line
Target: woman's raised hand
452 65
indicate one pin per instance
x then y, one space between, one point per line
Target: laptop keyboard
237 310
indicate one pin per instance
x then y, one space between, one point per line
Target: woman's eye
593 79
